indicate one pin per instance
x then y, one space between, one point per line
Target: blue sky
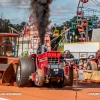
61 10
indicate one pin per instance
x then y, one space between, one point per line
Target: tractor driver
65 55
68 55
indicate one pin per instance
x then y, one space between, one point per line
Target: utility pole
87 31
1 15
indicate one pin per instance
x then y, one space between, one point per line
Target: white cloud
69 10
57 10
5 1
15 3
61 13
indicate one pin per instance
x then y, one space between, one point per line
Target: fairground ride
83 27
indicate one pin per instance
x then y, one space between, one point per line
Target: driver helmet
67 52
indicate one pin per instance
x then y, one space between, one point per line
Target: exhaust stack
42 48
41 11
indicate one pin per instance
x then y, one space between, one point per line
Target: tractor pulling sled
46 67
8 56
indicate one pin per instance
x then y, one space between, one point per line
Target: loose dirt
85 91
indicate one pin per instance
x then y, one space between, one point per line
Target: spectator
80 64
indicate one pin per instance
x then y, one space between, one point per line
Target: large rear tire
24 69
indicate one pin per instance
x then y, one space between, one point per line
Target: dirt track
46 93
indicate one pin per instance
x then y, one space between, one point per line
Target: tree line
5 23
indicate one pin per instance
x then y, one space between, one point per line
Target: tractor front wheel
39 78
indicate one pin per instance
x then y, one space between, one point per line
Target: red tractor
38 68
43 68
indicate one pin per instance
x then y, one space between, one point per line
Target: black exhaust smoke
41 10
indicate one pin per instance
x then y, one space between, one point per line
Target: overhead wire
95 2
91 9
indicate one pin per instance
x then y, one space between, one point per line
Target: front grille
53 60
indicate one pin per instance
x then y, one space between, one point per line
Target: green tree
5 23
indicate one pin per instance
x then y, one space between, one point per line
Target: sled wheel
24 69
95 67
39 78
91 65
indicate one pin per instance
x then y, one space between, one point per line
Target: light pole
87 30
1 15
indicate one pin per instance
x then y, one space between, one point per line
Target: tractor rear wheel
68 79
91 65
24 69
39 78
